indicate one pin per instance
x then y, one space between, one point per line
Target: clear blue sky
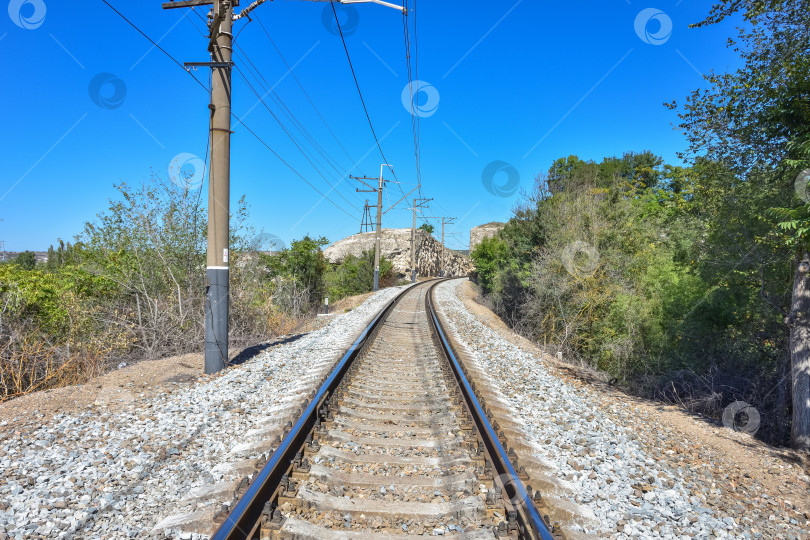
518 82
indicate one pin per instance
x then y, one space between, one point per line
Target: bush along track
144 466
595 449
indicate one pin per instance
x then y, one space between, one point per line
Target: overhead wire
289 135
153 42
173 59
415 118
262 81
306 94
293 168
360 93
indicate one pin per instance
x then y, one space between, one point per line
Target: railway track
395 442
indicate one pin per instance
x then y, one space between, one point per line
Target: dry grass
28 365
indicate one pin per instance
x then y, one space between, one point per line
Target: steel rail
247 512
528 517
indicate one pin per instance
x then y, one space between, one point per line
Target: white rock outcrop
477 234
395 245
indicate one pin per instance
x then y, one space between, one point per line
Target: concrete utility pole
217 268
445 221
417 203
379 191
219 193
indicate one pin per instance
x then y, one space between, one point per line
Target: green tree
299 274
355 275
427 227
756 120
758 115
27 260
61 256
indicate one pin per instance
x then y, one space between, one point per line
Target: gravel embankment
665 489
118 468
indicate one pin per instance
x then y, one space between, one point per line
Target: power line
296 122
289 135
317 111
293 168
232 114
414 117
360 93
155 44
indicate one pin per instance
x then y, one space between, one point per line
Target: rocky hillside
477 234
395 246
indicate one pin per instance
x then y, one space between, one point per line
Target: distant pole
366 224
417 203
441 270
379 191
413 245
379 232
445 221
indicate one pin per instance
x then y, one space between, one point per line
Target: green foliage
61 256
44 298
355 275
748 117
26 260
427 227
670 279
489 257
297 275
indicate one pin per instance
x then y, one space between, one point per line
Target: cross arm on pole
362 179
245 12
191 3
402 199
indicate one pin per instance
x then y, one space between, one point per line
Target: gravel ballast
129 461
599 446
